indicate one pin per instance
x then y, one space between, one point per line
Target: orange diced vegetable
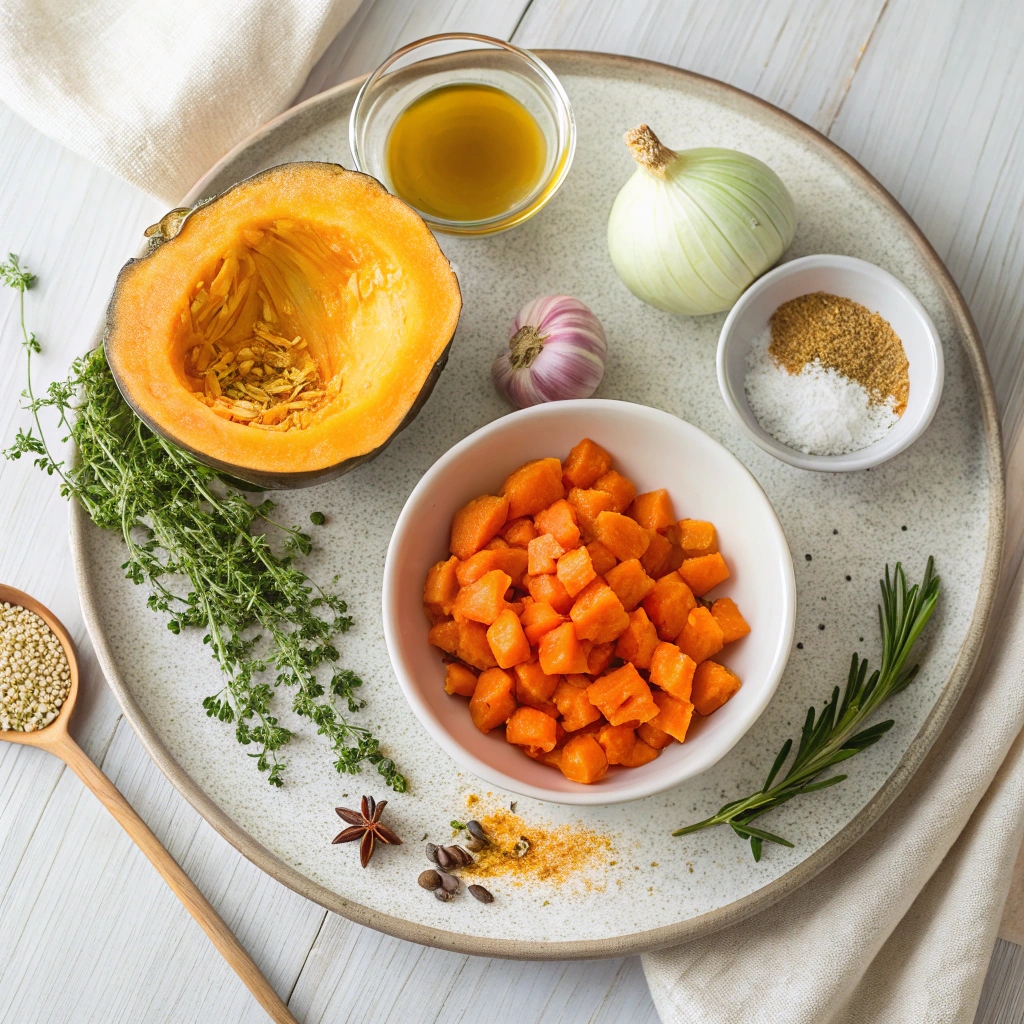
655 559
704 572
669 604
529 727
587 462
533 487
473 647
701 637
560 651
598 614
618 742
534 687
623 537
599 659
441 587
653 510
548 587
638 642
507 640
601 558
559 520
492 702
544 552
713 685
673 715
539 618
575 570
519 532
653 737
583 760
459 679
672 670
588 505
574 706
495 544
476 523
630 583
641 754
728 616
697 537
484 600
445 635
509 560
578 680
623 696
622 490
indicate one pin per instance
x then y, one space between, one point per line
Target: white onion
556 350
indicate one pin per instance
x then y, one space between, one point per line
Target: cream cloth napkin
158 90
902 926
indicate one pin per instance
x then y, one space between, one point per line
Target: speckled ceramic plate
944 496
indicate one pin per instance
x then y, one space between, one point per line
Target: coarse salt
818 411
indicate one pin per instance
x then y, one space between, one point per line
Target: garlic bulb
691 230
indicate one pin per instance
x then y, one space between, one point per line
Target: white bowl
872 287
654 450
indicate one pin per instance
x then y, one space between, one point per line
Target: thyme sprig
204 550
835 734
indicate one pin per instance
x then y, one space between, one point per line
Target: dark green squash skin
265 481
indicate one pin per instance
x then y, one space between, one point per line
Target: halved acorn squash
286 330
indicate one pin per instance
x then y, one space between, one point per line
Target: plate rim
619 65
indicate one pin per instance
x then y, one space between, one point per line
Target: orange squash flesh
345 265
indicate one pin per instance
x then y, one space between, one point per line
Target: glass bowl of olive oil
475 133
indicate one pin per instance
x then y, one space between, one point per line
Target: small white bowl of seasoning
830 363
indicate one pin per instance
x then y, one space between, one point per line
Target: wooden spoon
56 739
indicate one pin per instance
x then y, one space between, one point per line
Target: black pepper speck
821 625
800 647
808 557
834 532
903 528
848 578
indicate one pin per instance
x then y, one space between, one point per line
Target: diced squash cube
728 616
599 659
493 700
653 737
639 640
630 583
672 670
445 635
560 651
578 680
618 742
543 553
586 464
598 614
713 685
623 537
441 587
673 715
701 637
559 520
550 757
668 605
476 523
588 504
704 573
601 558
623 696
508 560
655 559
533 487
548 587
539 618
473 647
459 679
583 760
575 570
484 600
507 640
528 727
519 532
495 544
697 537
574 706
622 490
641 754
534 687
653 510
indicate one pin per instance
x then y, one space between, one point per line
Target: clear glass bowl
456 58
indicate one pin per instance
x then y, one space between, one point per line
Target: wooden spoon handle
181 885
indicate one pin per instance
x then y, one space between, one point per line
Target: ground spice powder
844 336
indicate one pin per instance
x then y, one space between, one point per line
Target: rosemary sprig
180 521
835 734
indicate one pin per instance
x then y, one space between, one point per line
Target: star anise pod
365 825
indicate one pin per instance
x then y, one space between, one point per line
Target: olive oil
465 152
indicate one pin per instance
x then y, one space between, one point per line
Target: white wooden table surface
926 93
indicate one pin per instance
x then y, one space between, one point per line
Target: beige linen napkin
901 927
158 90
